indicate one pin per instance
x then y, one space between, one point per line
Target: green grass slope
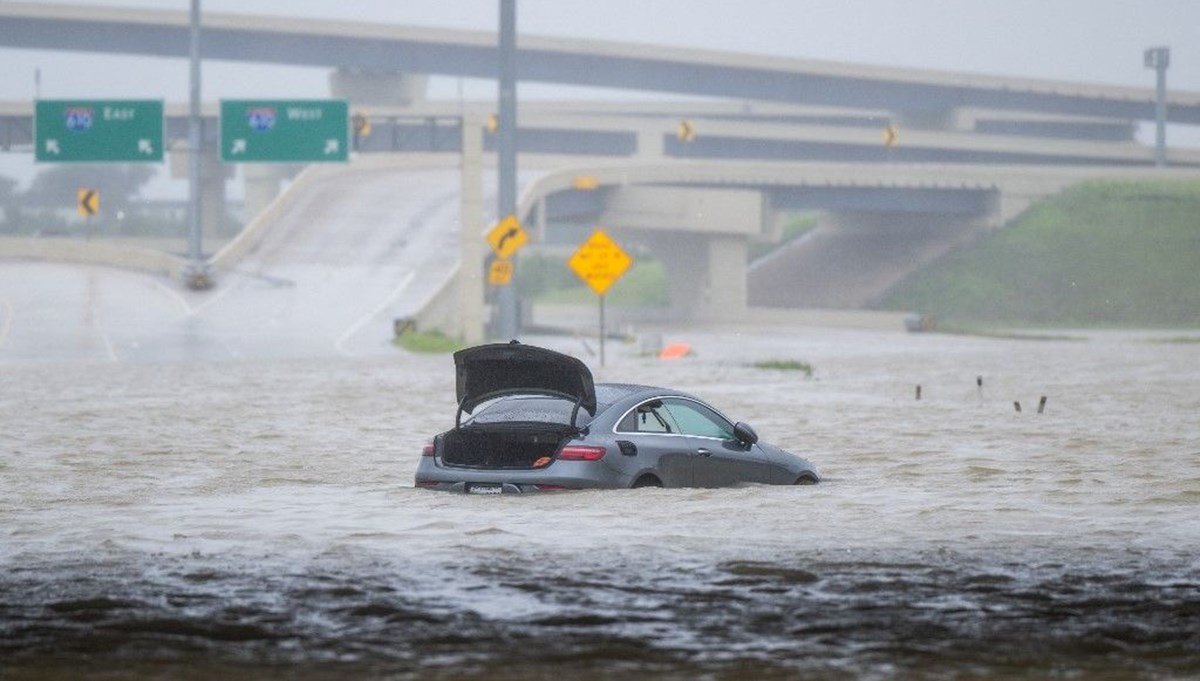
1102 254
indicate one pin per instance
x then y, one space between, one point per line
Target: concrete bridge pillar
950 119
706 274
684 257
470 303
262 183
650 142
377 88
725 296
700 235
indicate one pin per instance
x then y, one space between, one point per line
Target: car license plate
485 489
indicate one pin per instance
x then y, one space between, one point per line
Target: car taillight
427 484
427 450
581 453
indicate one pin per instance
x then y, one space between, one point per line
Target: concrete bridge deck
928 96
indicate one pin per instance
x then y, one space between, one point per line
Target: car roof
615 392
609 395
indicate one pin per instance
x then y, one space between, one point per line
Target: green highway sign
104 130
285 131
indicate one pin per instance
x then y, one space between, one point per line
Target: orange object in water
675 351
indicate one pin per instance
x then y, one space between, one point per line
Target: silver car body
562 431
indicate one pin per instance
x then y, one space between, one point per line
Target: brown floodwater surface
257 518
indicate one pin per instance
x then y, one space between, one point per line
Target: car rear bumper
560 475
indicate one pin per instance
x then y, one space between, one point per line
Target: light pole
196 276
508 320
1159 58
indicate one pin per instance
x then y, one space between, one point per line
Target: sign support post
88 204
508 318
600 261
601 297
197 272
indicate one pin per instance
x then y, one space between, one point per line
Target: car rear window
539 409
529 409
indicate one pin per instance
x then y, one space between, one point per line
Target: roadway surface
358 249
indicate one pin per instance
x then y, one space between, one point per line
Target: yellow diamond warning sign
507 237
599 262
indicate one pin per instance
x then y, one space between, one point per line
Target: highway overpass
918 98
778 133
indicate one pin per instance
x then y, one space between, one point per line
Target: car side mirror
744 433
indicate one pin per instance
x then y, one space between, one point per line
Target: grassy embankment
1102 254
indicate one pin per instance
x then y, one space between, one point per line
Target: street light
1159 58
196 276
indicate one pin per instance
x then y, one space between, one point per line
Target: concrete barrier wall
259 225
93 253
441 311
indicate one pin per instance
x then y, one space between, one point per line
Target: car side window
696 419
649 417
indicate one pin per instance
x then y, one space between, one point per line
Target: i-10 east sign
98 130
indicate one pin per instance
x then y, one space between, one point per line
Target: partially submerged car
537 422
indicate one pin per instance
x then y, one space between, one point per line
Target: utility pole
1159 58
508 321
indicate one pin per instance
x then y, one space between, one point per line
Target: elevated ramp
341 253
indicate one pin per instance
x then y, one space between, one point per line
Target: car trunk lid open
486 372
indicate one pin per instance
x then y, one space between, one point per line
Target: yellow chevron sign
88 202
890 135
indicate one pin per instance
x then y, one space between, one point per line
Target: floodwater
256 518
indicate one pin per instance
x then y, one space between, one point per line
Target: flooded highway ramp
255 518
354 250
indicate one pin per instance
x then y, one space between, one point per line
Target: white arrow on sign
52 147
332 146
239 147
146 147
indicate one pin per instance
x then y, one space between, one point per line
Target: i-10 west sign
285 131
103 130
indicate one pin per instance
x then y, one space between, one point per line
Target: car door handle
703 452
